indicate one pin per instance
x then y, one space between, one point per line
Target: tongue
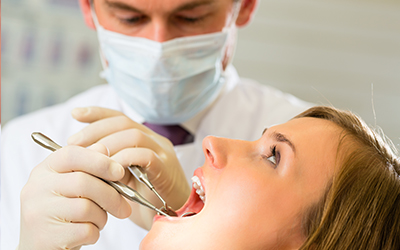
193 206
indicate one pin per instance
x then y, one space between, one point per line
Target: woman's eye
274 157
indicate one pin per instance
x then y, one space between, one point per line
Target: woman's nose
217 150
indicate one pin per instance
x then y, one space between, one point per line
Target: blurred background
340 52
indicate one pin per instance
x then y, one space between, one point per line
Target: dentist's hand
130 143
63 204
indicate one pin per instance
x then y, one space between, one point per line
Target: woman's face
255 192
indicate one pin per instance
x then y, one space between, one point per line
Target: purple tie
175 133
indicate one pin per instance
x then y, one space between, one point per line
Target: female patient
323 180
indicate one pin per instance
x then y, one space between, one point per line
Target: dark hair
361 206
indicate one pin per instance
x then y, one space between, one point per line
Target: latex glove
63 204
129 144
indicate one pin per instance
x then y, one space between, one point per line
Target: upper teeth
199 188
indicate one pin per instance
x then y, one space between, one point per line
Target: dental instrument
142 177
121 188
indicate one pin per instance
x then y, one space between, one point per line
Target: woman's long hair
361 205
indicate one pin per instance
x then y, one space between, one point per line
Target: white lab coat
242 111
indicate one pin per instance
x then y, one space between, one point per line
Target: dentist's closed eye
191 19
133 20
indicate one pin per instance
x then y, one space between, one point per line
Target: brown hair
361 205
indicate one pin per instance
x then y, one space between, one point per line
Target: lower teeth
188 214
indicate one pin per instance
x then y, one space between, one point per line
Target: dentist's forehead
160 4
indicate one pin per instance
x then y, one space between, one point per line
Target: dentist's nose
158 31
217 150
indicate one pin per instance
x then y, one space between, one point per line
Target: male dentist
170 84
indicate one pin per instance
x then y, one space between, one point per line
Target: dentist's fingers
78 210
149 161
74 158
160 174
81 233
99 129
130 138
143 157
101 148
91 189
92 114
63 204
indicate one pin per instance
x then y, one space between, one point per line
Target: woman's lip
158 217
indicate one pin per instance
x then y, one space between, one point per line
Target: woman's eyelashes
274 156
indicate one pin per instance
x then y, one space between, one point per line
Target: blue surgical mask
166 83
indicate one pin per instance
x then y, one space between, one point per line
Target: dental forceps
142 177
121 188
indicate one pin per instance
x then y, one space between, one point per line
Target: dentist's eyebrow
187 6
195 4
122 6
282 138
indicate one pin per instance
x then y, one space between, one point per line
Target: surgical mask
166 83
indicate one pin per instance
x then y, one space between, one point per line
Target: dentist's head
166 58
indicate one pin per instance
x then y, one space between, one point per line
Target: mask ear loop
230 29
98 26
236 9
94 16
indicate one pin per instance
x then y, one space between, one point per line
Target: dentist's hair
361 205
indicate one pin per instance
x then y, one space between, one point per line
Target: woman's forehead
299 129
315 140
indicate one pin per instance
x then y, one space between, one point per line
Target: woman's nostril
210 156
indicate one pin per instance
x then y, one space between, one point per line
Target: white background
324 52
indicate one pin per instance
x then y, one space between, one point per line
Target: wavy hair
361 205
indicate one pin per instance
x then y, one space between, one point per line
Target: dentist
167 64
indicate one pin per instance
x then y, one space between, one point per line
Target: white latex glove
129 144
63 204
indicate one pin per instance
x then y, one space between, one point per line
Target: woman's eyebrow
281 138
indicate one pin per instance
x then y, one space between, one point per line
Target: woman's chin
152 241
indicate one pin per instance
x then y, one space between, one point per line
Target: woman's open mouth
196 200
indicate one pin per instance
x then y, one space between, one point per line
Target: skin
164 20
252 203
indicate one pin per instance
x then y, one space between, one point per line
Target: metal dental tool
121 188
142 177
